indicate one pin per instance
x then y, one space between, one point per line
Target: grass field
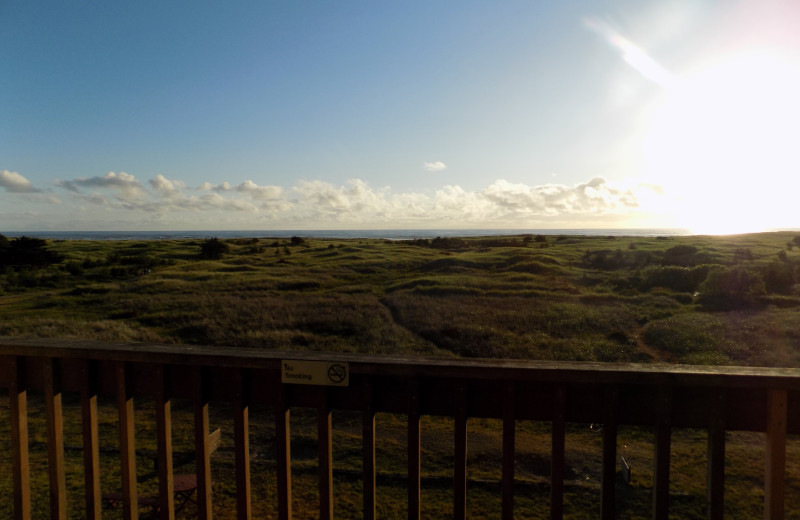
710 300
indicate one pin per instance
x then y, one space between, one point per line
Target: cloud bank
13 182
123 201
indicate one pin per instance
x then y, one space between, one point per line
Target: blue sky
320 115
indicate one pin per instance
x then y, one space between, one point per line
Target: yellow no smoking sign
336 373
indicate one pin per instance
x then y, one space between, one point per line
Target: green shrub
730 288
779 277
679 279
696 338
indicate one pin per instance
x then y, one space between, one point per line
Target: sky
211 115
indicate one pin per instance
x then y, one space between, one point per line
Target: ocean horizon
387 234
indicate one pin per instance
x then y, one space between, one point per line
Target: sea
385 234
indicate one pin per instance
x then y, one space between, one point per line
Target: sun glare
724 142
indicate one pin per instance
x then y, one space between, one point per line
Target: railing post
18 397
607 502
557 453
775 478
91 441
164 444
460 445
414 431
509 441
283 454
55 439
368 442
127 446
715 486
202 455
325 447
662 454
241 434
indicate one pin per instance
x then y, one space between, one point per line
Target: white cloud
593 197
164 185
355 204
13 182
435 166
248 187
124 183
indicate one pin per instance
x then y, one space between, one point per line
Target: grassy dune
554 297
722 300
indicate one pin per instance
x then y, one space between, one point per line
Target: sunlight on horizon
723 141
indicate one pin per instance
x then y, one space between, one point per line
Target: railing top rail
405 366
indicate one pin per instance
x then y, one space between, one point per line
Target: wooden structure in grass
663 397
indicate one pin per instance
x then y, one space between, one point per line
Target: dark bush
779 277
297 241
603 259
27 252
686 256
213 249
742 254
448 243
74 268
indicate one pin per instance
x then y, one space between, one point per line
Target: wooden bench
183 486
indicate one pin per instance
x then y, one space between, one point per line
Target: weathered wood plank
414 446
55 439
662 447
91 441
201 444
283 455
715 480
325 455
18 397
509 440
163 410
460 453
557 454
127 445
368 448
241 435
401 366
775 471
609 471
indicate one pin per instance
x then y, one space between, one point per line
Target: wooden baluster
325 448
661 456
164 443
127 446
607 504
91 441
283 455
557 454
715 480
202 455
368 442
414 446
509 441
241 433
460 462
775 478
18 397
55 439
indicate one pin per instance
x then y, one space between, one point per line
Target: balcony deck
660 397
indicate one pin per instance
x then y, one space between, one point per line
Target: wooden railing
657 396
